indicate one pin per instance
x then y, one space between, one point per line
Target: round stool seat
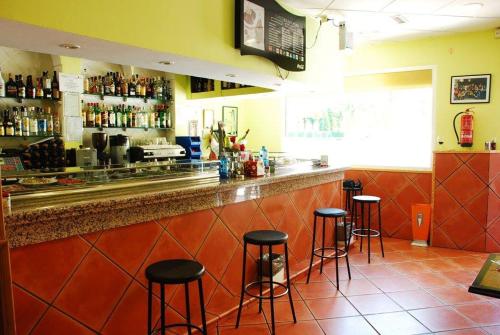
265 237
353 188
174 271
366 198
330 212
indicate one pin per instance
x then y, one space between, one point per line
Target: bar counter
81 266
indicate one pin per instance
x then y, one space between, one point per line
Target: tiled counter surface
50 223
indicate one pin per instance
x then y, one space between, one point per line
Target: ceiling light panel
360 5
490 9
415 6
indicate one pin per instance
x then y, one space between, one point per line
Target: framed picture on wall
208 118
230 119
470 89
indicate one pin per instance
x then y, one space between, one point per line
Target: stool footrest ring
365 232
173 325
258 282
338 253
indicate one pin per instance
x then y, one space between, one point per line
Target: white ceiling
372 20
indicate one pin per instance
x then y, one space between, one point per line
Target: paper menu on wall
70 82
73 129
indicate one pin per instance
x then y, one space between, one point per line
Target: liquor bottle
9 125
50 121
2 85
90 115
30 88
33 121
112 86
11 88
25 122
138 86
42 122
149 88
85 82
2 128
124 116
21 88
39 89
158 89
118 85
104 117
124 87
97 116
55 88
107 85
132 87
143 88
57 124
111 117
152 118
47 85
100 85
16 117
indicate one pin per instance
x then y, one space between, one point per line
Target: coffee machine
119 146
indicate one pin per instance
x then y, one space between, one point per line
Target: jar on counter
6 203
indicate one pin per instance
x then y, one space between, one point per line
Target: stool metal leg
380 229
260 276
346 246
271 286
242 284
322 246
369 231
336 252
150 307
188 307
362 205
202 305
162 300
312 250
353 216
289 284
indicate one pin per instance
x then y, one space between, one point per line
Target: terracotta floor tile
353 325
400 323
441 319
463 277
317 290
249 316
283 313
431 280
299 328
421 254
331 308
245 330
468 262
343 274
315 277
394 257
409 268
374 303
377 271
455 295
415 299
483 313
357 287
444 252
440 265
395 284
362 258
495 330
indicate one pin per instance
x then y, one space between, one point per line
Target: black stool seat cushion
330 212
174 271
352 188
366 198
265 237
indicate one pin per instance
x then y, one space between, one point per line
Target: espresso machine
119 146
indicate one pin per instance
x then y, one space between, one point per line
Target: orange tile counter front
467 201
94 283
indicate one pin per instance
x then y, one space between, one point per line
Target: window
376 125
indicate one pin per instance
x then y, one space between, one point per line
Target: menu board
266 29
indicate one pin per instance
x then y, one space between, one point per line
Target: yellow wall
420 78
458 54
201 29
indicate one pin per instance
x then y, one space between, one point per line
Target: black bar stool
265 238
334 213
366 232
351 191
175 271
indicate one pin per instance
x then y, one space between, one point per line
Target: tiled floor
411 291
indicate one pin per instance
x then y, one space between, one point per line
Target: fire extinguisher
466 128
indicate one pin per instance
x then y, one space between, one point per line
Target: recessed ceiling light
166 62
70 46
474 6
277 84
231 75
400 19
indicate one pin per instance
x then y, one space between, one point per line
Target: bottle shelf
20 100
125 128
30 136
144 99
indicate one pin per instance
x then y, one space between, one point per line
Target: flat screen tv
266 29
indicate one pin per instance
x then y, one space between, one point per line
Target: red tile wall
95 283
467 201
398 190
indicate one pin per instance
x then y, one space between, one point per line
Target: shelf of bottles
200 85
226 85
27 121
154 94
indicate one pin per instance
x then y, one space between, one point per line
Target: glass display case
45 188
